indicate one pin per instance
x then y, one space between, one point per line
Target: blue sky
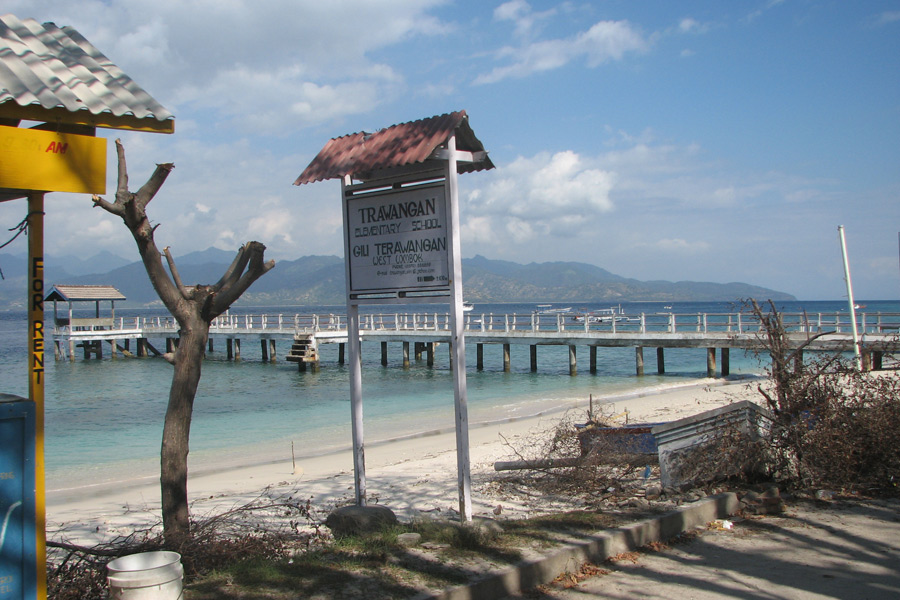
704 141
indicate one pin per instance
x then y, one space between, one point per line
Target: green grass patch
377 566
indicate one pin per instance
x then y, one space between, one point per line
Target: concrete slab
814 550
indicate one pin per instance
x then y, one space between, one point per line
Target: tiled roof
48 73
364 155
70 293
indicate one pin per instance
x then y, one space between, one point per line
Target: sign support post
458 340
36 375
354 351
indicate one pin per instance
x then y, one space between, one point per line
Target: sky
679 141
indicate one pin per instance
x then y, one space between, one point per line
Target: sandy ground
411 476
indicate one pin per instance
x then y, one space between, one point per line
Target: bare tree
194 307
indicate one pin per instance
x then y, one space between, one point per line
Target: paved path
813 550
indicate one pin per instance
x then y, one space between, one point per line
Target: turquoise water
104 417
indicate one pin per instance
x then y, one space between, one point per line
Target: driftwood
540 463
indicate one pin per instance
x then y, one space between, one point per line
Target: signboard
31 159
398 241
17 500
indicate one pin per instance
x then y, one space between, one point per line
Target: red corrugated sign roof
364 155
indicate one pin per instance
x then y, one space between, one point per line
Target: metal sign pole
36 375
850 299
353 351
458 341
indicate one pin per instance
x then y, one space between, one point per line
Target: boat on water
602 315
468 307
547 309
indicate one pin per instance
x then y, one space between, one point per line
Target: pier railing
737 323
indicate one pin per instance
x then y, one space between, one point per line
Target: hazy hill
320 280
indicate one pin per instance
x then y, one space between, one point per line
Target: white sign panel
398 241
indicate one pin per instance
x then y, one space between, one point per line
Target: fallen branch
539 463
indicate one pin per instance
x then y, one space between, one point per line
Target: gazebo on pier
80 294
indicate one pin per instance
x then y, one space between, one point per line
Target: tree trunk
174 452
194 307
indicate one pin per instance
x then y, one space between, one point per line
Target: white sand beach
411 476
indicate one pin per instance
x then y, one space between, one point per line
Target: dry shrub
601 470
835 426
849 437
265 528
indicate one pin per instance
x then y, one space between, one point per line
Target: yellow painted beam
31 159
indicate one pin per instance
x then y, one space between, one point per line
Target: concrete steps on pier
304 351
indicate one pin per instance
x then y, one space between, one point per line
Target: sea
104 417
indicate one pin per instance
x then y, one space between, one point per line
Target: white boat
602 315
468 306
547 309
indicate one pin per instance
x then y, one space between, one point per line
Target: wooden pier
304 333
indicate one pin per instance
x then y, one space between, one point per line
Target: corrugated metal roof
48 73
363 155
72 293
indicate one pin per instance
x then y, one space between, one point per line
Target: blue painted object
18 539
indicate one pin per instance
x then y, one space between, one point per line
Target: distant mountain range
320 280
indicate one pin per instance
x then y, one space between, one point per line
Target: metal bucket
146 576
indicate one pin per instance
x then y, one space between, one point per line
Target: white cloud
301 61
887 17
604 41
546 195
272 225
642 198
689 25
609 40
521 14
770 4
682 246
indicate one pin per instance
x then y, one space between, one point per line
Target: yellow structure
47 160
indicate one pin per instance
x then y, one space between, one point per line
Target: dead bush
835 426
265 528
567 463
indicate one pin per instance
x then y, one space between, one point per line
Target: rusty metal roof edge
339 157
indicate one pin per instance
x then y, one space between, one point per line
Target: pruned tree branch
174 272
251 253
237 266
131 208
